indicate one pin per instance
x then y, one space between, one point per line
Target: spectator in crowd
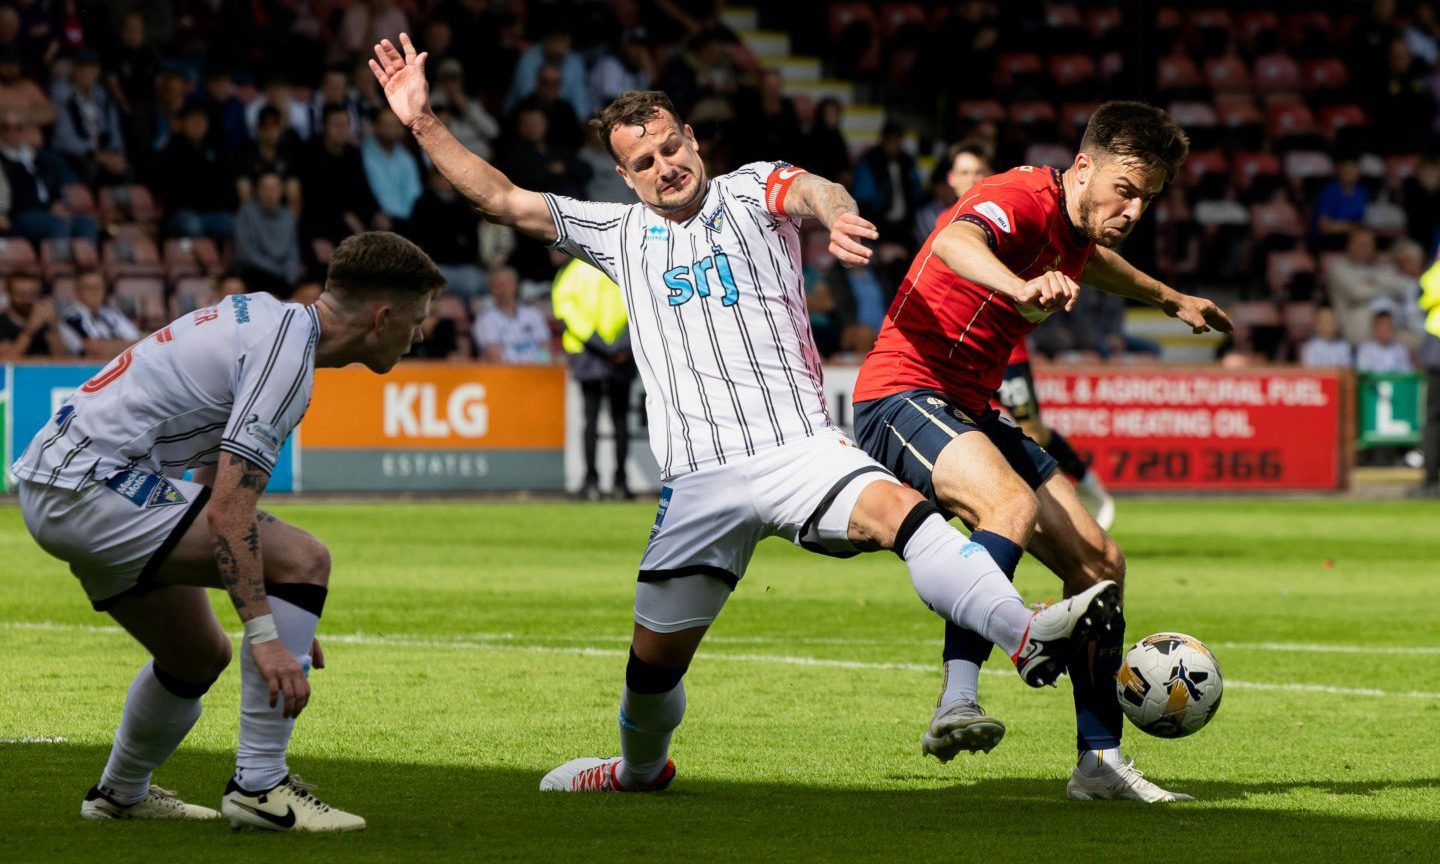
702 79
536 161
1422 34
364 24
229 127
823 150
605 183
465 117
1340 206
334 89
597 339
195 182
368 98
230 283
1420 196
1405 108
338 200
630 66
553 50
1430 362
28 326
272 152
130 78
37 177
172 97
1408 262
887 187
561 121
676 20
267 242
93 328
280 93
438 37
88 130
1356 279
22 95
964 165
769 121
1326 347
450 228
823 311
509 331
393 171
1381 353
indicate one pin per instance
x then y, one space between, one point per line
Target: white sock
646 722
961 682
153 724
1093 759
959 581
265 731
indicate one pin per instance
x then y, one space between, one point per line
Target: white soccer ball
1169 685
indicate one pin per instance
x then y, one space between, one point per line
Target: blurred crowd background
158 155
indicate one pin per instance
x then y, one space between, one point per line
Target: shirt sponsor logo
994 213
242 307
263 432
145 490
657 232
660 511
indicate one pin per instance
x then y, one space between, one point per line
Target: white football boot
1041 656
961 725
590 774
1119 782
157 804
1097 500
287 807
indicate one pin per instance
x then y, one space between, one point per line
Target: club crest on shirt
995 214
715 222
164 495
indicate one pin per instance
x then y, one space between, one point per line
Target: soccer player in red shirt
968 165
1006 256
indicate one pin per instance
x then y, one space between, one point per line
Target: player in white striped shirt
101 488
710 269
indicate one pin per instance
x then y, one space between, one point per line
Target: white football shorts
114 534
709 521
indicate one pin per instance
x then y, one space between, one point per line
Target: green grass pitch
472 647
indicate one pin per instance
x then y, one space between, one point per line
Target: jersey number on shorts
686 282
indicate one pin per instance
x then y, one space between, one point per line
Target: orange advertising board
425 406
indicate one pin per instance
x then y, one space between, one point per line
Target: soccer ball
1169 685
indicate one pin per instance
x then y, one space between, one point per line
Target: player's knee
879 514
191 675
314 563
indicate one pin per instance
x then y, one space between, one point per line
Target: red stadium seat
1072 71
1209 19
1244 122
79 200
191 256
142 298
1017 68
1257 174
1176 74
895 17
63 257
1204 164
1062 15
1227 73
842 15
1276 219
980 110
1399 168
1289 119
1075 116
131 253
1200 122
1103 20
1277 73
132 203
1054 155
1032 112
1325 74
1252 24
1311 21
17 256
1256 313
1281 267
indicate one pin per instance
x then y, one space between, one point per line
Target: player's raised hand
283 674
403 77
1203 315
846 234
1050 291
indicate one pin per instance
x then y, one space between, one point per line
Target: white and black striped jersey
236 377
717 311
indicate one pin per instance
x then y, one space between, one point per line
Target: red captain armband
777 186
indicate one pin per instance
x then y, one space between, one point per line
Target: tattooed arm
818 198
234 522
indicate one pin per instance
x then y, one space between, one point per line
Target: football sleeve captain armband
777 186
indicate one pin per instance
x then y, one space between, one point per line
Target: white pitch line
510 645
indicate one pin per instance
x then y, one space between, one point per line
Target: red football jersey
949 334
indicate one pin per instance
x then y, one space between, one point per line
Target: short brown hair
631 108
381 263
1136 132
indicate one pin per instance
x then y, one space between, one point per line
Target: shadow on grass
422 813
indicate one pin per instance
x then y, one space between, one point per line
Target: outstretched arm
1114 275
817 198
492 193
963 248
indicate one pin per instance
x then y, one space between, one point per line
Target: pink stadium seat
979 110
191 293
1289 119
1276 219
1176 72
1070 71
1209 19
1076 115
1017 67
143 299
131 253
17 256
132 203
1399 168
1277 73
1252 23
1102 20
1325 74
1054 155
1203 164
896 16
63 257
79 199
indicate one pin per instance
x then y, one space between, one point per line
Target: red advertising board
1205 428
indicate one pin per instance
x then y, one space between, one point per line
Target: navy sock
1070 461
961 644
1092 670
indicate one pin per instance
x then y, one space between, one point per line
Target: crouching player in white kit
101 488
711 275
